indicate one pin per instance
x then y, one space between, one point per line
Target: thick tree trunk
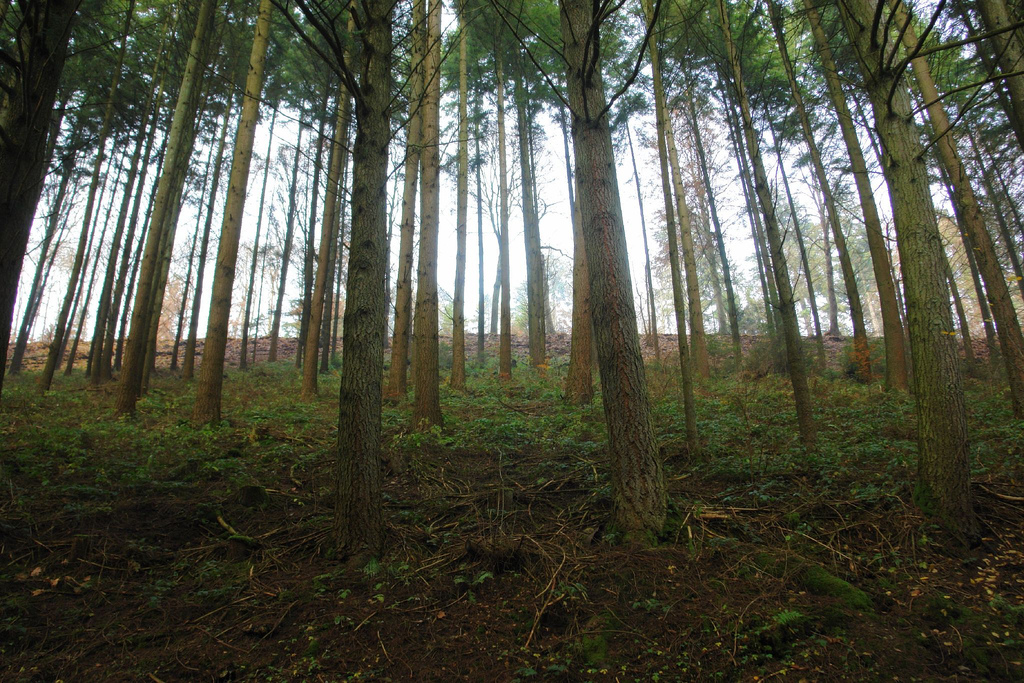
943 486
579 380
638 479
358 519
426 409
207 407
787 311
1011 340
175 159
41 43
892 326
189 363
458 377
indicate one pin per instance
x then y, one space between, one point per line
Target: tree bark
787 311
458 376
175 158
892 325
943 486
638 480
189 363
505 340
426 409
207 407
358 518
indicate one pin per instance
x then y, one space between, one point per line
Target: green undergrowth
501 563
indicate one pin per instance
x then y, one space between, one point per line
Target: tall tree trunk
480 241
943 486
328 236
638 479
358 518
67 165
275 326
188 272
965 328
458 377
207 407
505 341
531 230
176 157
734 324
698 341
41 42
1008 47
1011 340
679 303
811 298
243 363
579 380
892 326
861 352
110 294
52 358
307 262
652 311
997 210
401 340
188 366
426 409
787 311
753 216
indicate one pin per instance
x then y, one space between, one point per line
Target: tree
638 479
943 476
458 377
211 372
178 149
427 405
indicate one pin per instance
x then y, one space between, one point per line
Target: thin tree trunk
275 326
480 243
679 303
307 262
458 377
811 298
787 312
647 253
943 486
698 341
207 408
965 328
189 364
734 325
892 326
243 361
328 236
76 270
176 157
505 341
531 231
401 340
861 351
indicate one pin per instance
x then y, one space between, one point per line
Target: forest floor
148 550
